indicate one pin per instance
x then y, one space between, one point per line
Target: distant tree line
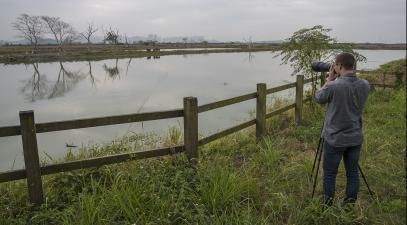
34 28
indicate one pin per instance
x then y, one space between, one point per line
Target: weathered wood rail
28 130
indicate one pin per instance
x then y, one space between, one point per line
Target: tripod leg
364 179
316 156
317 169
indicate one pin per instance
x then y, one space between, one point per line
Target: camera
320 66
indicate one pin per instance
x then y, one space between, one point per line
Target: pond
72 90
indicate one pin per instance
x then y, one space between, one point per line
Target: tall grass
237 181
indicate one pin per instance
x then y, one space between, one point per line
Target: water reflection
156 57
112 71
66 81
90 74
249 58
38 87
128 65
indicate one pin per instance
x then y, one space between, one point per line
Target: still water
72 90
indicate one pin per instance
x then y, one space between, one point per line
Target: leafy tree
309 45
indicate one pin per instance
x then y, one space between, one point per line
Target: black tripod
318 155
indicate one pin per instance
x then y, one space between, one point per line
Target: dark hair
346 60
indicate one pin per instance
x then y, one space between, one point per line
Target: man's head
344 62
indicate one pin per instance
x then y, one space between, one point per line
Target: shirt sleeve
323 95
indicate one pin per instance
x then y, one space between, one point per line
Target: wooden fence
28 130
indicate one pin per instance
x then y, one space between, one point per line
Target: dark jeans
332 158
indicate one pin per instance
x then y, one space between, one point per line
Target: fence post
299 89
191 128
31 158
261 111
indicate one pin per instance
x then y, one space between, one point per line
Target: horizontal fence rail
94 122
281 88
226 102
92 162
280 110
10 131
191 142
311 79
226 132
109 120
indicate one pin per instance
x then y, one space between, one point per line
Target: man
346 96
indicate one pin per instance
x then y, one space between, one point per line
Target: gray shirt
346 97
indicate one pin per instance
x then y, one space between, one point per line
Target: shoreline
96 52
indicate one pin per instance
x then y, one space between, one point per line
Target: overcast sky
223 20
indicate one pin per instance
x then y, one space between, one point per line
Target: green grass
392 73
237 180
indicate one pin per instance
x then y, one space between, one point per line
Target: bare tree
63 32
185 39
249 45
249 42
112 36
30 28
205 43
89 32
126 41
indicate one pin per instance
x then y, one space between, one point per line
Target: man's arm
322 95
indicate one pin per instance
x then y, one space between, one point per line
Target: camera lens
320 66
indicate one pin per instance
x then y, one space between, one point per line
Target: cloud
359 21
159 20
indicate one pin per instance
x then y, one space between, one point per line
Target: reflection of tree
249 46
38 87
92 78
128 65
65 82
250 57
112 72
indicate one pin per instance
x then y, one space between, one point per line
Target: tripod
318 155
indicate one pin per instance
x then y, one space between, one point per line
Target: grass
390 74
237 180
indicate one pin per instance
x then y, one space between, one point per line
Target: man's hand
332 74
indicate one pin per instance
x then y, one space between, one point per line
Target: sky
374 21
